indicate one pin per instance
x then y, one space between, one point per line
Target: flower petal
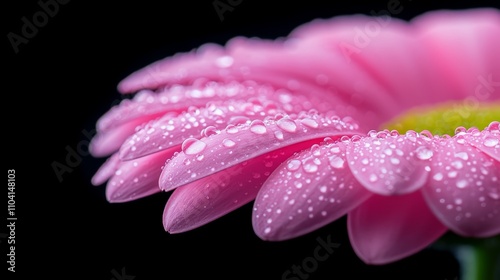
488 140
386 229
388 163
237 144
202 201
107 142
464 191
137 178
308 191
460 50
106 170
168 132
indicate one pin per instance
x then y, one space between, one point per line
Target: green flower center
445 118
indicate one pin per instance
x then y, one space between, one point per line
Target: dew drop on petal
258 127
224 61
287 125
309 166
462 155
293 164
309 122
228 143
424 153
336 162
193 146
490 142
462 184
438 176
279 135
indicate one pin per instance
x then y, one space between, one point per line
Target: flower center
445 118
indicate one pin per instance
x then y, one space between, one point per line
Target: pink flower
291 125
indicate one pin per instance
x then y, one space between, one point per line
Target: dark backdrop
64 78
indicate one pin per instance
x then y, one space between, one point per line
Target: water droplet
462 184
438 176
224 61
494 195
258 127
395 161
298 184
309 122
287 125
458 201
490 142
309 166
373 178
228 143
457 164
424 153
462 155
231 129
193 146
316 150
293 164
336 162
279 135
323 189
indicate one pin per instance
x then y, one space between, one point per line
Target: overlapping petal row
292 124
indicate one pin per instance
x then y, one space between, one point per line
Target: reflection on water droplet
224 61
336 162
490 142
258 127
424 153
228 143
279 135
438 176
462 184
462 155
309 166
193 146
293 164
287 125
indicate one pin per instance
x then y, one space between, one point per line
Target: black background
65 78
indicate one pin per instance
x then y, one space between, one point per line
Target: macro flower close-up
392 123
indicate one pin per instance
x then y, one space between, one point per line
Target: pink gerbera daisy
346 116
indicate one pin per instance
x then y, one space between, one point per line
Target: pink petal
202 201
488 140
106 170
387 229
168 132
460 48
237 144
137 178
306 192
464 189
388 163
107 142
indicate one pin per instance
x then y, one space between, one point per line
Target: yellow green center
445 118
